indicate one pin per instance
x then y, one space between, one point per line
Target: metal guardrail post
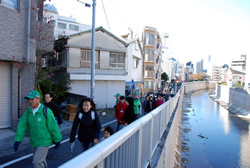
139 147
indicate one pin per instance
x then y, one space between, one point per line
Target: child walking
108 131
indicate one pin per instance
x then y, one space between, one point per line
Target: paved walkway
7 135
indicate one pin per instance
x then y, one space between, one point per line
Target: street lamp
92 84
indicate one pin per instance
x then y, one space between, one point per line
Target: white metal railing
133 146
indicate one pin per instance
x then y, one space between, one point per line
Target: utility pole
92 78
92 91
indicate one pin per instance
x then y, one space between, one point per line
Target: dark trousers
86 144
118 125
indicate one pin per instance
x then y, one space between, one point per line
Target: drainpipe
26 52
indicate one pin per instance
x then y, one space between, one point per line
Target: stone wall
193 86
235 100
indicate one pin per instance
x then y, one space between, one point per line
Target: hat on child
122 98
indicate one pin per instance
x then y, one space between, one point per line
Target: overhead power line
106 16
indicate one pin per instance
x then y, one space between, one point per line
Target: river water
211 136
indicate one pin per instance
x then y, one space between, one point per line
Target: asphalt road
55 157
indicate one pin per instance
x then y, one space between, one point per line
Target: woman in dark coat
129 115
151 104
88 123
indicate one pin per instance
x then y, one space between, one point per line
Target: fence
134 145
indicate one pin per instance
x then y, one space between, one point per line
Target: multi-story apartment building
19 21
239 71
63 26
216 73
152 46
239 64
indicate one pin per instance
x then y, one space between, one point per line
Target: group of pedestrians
129 109
126 110
43 127
43 122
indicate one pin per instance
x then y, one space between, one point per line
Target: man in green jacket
42 127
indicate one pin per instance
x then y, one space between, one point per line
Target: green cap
136 93
117 94
32 94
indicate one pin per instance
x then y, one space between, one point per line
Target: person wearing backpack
50 104
88 123
43 129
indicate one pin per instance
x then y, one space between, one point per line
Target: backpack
92 115
44 112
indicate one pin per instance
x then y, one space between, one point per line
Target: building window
149 71
117 60
86 59
73 27
149 55
148 84
150 39
149 68
10 3
62 25
136 63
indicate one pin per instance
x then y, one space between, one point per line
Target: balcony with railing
149 58
149 74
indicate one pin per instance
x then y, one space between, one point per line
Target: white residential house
135 64
110 63
167 62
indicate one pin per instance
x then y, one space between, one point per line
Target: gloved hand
57 144
16 144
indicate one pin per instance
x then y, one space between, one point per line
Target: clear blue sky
197 28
